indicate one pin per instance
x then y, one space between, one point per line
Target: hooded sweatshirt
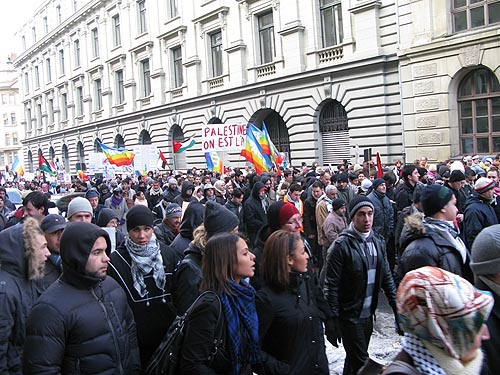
94 327
193 217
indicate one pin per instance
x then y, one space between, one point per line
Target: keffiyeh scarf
144 259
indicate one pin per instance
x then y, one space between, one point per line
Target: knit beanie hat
366 184
139 215
456 176
377 182
434 198
443 309
279 213
483 185
342 177
338 203
485 253
358 202
219 219
105 216
172 181
173 210
79 204
92 193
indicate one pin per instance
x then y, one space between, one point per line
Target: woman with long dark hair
290 321
227 263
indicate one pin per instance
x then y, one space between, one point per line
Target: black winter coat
427 247
192 218
198 343
291 329
478 215
153 313
404 196
490 347
383 214
17 295
347 276
187 279
255 216
81 324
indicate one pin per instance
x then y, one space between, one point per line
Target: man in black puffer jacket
82 324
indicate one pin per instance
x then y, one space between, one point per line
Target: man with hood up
23 253
193 217
255 211
186 195
93 330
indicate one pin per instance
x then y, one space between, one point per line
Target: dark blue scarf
242 324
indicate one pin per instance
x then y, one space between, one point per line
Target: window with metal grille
334 131
479 113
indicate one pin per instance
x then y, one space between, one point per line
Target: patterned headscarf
443 309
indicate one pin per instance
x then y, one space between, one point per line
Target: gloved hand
332 331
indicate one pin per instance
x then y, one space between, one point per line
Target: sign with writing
223 137
146 158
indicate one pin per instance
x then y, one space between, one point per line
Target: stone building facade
323 75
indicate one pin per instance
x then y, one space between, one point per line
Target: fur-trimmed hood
414 228
17 253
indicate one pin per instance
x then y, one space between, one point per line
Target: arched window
276 127
97 146
119 141
52 153
144 138
334 133
65 157
180 161
479 113
80 154
30 161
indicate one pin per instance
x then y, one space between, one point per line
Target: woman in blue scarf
227 262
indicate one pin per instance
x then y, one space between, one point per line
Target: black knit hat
358 202
219 219
338 203
342 177
456 176
139 215
434 198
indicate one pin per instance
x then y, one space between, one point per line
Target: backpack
166 357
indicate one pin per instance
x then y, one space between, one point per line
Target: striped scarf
242 324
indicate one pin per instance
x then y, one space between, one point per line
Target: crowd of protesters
294 256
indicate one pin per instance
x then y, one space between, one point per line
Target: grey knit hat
358 202
219 219
485 253
173 210
79 204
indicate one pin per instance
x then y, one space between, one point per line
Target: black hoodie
193 217
81 324
254 213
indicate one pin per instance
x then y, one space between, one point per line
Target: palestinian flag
183 146
45 166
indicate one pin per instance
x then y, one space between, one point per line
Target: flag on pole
163 159
252 151
82 176
117 156
214 162
183 146
380 172
17 167
44 166
273 151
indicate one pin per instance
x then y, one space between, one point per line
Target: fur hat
358 202
483 185
219 219
485 253
79 204
139 215
442 309
434 197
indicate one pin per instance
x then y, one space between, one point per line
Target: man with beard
154 194
93 330
166 231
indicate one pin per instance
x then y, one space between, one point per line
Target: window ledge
119 107
145 100
141 35
79 117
